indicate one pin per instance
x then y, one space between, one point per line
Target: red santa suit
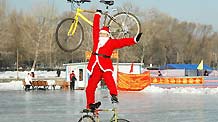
100 65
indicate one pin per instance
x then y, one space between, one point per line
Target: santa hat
105 29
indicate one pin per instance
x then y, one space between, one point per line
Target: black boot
114 98
94 106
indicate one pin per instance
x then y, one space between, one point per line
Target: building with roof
82 75
188 69
185 66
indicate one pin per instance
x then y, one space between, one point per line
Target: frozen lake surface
144 106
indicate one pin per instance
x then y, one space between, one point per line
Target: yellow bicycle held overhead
70 33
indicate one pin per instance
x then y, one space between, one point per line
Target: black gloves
138 37
100 11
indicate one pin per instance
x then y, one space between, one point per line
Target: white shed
82 74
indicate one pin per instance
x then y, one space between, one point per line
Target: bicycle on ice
93 115
69 33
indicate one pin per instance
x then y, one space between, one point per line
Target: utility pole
17 63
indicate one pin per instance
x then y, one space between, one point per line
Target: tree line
28 37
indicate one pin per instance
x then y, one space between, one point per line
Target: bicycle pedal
115 102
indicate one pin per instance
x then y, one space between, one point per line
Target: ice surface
65 106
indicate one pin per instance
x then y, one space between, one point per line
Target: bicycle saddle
108 2
83 1
79 1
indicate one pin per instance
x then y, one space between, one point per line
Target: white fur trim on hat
104 31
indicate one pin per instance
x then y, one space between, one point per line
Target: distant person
32 74
206 73
28 81
159 73
198 72
72 80
58 73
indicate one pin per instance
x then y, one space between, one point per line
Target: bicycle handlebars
108 2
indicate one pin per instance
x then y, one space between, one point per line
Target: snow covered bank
17 85
13 85
180 90
38 74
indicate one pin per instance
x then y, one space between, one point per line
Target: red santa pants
94 80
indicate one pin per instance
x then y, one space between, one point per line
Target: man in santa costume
100 64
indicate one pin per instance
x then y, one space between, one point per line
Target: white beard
102 41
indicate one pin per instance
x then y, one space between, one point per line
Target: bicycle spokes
69 39
124 25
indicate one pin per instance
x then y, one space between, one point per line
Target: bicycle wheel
124 25
72 42
86 118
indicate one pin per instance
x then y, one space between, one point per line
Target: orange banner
194 80
89 53
133 82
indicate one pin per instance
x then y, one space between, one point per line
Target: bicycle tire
127 30
121 120
86 118
72 42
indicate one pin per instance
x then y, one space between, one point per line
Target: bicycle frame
76 20
78 14
114 117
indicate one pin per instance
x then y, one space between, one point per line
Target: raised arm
96 26
119 43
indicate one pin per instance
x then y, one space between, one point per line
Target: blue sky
200 11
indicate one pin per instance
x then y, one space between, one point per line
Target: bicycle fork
73 26
96 116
